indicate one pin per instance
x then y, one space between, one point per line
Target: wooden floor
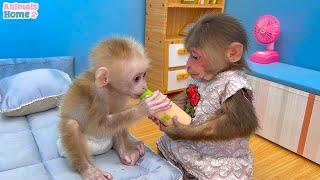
270 160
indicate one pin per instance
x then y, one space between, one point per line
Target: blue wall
70 28
299 42
73 27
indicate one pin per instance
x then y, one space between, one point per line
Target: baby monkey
94 113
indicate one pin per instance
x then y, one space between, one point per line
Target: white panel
272 113
174 58
293 116
173 83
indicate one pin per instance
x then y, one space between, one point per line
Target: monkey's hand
174 130
155 120
95 173
155 103
130 153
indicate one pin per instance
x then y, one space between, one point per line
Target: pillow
32 91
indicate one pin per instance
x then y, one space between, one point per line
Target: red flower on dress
193 94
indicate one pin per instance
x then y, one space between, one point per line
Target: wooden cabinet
164 21
288 117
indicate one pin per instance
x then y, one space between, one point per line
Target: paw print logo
34 15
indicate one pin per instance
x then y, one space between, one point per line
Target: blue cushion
60 169
46 139
43 119
45 130
297 77
32 91
13 124
34 172
29 151
17 150
11 66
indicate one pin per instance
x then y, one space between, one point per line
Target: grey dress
230 159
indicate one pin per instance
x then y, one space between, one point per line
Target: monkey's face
198 66
128 77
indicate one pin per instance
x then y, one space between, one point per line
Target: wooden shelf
204 6
174 38
165 19
177 68
175 91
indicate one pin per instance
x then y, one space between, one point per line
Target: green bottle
166 116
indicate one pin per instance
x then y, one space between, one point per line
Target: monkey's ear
234 52
101 77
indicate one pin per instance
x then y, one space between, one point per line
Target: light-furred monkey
94 112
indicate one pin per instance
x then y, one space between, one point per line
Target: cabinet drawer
177 79
178 55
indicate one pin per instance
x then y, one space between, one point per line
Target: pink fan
266 31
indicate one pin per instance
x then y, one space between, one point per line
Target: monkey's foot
129 157
131 154
96 174
140 147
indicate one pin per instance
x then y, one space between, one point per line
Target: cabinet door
178 55
280 110
312 144
177 80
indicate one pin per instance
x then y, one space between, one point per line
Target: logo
20 10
